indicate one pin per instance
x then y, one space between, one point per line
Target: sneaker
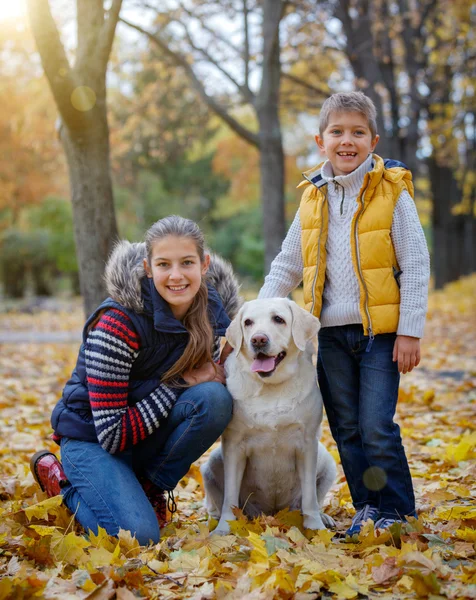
385 523
361 516
163 505
48 472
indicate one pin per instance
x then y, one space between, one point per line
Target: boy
357 244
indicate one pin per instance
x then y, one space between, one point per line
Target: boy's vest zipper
318 247
366 303
342 199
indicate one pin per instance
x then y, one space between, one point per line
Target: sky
11 9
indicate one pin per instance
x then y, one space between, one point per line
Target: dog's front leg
234 463
307 467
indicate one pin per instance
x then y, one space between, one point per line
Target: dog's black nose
259 340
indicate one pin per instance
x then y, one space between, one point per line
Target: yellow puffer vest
373 255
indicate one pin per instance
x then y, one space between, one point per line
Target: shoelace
171 504
367 512
385 523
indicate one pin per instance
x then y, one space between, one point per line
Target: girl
146 398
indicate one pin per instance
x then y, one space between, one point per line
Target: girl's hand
407 351
225 353
207 372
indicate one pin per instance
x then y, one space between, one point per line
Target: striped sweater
110 350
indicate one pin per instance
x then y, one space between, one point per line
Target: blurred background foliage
172 153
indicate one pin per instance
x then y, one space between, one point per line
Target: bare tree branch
181 61
109 29
246 47
53 56
428 8
244 90
309 86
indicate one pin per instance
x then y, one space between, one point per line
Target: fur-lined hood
125 271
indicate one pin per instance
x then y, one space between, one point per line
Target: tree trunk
270 139
80 96
95 228
360 53
272 185
448 229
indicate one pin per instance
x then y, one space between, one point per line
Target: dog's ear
305 326
234 334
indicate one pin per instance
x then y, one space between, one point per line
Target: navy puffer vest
162 341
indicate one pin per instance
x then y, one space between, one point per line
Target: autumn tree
451 133
192 35
79 91
30 162
161 141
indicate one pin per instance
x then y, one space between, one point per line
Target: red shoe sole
33 462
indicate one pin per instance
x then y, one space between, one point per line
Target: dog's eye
248 322
278 319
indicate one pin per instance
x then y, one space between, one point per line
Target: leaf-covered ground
44 554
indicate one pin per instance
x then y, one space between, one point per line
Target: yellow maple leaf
467 534
101 557
69 548
416 558
282 580
259 553
102 540
291 518
429 396
324 535
464 450
41 510
43 530
295 535
425 585
158 566
128 543
216 543
368 537
184 561
343 590
458 511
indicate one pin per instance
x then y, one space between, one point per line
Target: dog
270 457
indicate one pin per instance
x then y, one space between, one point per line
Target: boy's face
346 141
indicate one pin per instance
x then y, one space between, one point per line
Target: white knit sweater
341 291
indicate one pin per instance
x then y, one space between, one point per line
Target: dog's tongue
263 365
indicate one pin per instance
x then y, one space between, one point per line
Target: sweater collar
157 308
351 182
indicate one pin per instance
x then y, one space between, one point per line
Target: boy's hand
407 351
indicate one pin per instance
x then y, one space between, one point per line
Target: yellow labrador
270 457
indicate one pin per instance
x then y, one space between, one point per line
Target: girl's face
177 272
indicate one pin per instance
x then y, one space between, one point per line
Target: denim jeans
103 488
360 392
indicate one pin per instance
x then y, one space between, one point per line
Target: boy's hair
199 347
349 102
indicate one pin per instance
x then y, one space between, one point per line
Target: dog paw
328 521
221 529
313 522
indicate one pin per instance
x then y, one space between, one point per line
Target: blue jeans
360 392
103 488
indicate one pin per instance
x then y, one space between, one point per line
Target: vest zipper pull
370 342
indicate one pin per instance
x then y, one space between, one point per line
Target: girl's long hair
199 347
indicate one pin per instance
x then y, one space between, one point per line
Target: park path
40 337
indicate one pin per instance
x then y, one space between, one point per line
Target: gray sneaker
385 523
361 516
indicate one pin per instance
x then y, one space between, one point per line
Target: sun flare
11 9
